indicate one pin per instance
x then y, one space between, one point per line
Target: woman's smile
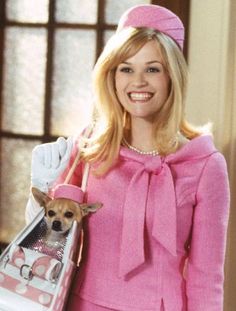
140 96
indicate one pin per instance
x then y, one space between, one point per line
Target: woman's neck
141 135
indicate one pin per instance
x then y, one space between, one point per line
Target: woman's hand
49 161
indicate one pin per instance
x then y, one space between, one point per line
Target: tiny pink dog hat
67 191
156 17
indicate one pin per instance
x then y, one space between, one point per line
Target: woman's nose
139 80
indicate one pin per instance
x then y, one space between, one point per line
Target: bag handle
87 133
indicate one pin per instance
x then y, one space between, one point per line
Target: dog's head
60 213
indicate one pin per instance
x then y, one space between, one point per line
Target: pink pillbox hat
156 17
67 191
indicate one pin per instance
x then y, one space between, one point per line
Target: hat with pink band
156 17
68 191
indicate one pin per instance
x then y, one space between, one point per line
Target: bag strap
87 133
85 177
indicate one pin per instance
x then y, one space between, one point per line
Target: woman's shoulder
199 147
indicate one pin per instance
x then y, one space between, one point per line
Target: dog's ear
41 197
89 208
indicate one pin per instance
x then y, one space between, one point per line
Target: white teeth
140 96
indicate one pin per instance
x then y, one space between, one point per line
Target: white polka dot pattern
44 299
40 270
64 286
21 288
52 261
19 262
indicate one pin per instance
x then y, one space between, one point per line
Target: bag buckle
26 272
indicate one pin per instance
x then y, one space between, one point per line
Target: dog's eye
68 214
51 213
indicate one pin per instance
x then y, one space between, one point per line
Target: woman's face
142 82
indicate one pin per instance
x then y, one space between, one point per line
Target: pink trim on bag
25 290
44 267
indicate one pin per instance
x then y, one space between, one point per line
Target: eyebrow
147 63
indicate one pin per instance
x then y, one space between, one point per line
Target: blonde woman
158 243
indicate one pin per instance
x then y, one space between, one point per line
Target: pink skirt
77 304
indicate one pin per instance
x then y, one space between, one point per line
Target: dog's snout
56 225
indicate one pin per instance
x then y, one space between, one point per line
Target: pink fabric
76 303
154 16
165 213
161 233
68 191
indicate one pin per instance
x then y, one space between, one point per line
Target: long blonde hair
104 144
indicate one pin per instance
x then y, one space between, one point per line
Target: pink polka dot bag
35 276
36 280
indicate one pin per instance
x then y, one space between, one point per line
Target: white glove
32 209
49 161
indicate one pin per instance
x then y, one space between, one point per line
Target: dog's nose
56 225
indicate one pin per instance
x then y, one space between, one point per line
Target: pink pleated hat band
156 17
67 191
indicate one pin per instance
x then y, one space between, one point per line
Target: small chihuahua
60 213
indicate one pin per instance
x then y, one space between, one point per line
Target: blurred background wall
212 97
45 87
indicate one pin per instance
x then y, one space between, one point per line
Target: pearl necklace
151 153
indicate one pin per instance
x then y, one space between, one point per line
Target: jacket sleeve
205 269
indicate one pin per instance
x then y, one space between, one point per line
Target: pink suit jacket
161 234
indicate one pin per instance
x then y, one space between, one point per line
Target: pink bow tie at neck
160 192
